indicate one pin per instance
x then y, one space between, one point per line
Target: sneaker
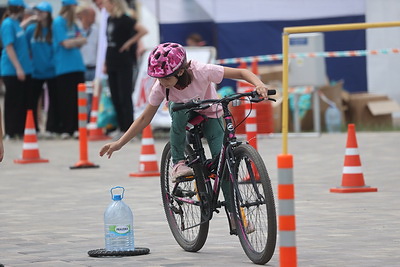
180 169
49 135
65 136
13 138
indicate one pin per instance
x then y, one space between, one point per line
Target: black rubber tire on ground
259 245
182 214
98 253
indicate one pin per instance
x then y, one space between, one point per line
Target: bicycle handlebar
199 104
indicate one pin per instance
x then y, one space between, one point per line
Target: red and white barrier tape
275 57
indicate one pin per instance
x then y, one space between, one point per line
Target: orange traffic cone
353 178
242 65
251 123
242 86
30 148
148 161
254 66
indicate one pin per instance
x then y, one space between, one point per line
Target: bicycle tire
259 245
181 215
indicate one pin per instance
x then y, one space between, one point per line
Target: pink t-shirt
201 87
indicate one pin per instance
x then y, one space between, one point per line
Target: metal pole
340 27
285 94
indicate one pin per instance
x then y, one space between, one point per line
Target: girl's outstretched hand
109 148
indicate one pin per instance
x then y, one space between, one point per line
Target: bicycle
190 202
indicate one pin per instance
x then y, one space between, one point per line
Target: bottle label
120 229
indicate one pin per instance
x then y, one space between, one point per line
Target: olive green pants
213 131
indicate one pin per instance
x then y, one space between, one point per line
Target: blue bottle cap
117 197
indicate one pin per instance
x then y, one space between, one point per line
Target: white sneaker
65 136
49 135
180 169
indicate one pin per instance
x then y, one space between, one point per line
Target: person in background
1 138
40 36
69 66
28 17
87 16
16 69
102 39
123 34
195 39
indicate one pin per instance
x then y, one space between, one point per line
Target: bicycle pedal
185 178
179 192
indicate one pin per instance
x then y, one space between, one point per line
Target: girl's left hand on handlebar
262 90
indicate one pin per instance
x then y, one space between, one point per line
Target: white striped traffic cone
148 160
251 124
30 148
353 177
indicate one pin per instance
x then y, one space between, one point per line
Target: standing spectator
87 16
102 40
40 36
123 34
195 39
67 40
16 69
1 139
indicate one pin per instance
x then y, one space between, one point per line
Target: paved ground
51 215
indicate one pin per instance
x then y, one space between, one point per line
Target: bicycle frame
225 158
238 169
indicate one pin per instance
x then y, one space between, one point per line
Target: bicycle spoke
182 208
254 206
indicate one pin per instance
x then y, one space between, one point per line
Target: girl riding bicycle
180 81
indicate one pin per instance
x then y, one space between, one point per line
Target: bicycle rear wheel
254 205
184 219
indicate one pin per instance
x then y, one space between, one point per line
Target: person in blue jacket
16 69
69 66
40 37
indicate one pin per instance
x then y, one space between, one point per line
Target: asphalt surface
51 215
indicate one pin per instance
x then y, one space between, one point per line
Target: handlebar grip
271 92
180 106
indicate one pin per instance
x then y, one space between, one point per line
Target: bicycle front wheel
184 218
254 205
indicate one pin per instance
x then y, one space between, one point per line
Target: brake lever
256 99
204 106
198 108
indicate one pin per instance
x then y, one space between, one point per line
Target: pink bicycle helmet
165 59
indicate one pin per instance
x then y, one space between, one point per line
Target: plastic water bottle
333 119
118 223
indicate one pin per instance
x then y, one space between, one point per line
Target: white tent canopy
176 11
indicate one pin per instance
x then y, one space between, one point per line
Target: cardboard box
270 73
371 110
